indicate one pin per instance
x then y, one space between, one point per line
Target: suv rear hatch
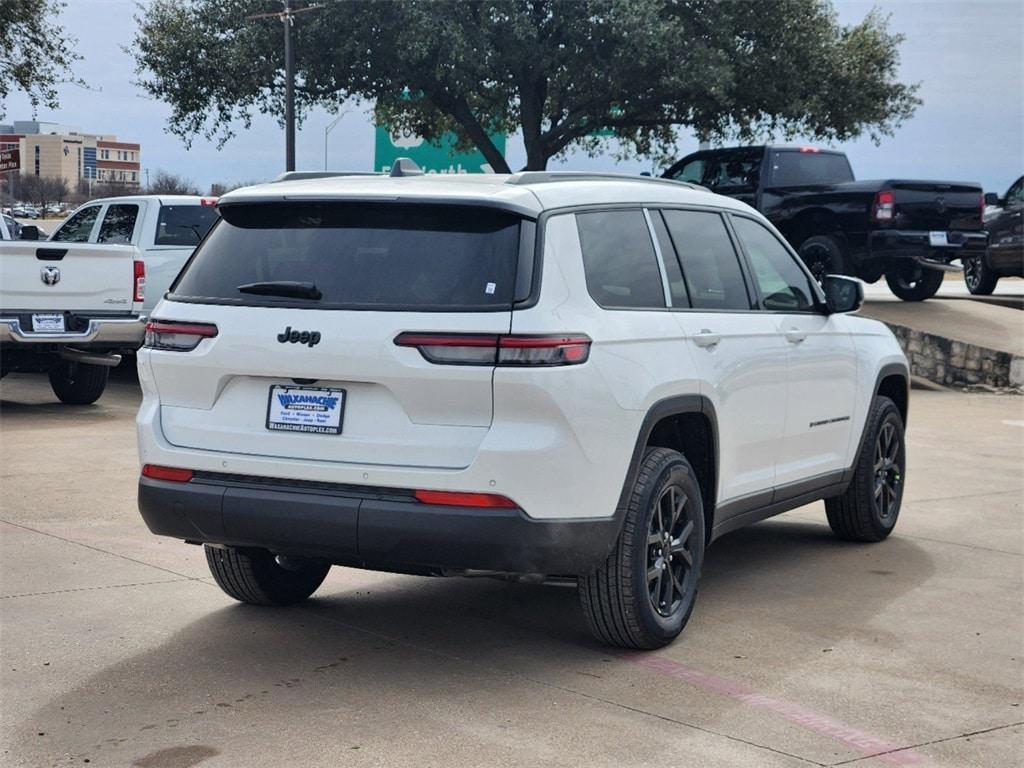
307 300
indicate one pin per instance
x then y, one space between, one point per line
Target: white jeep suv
574 375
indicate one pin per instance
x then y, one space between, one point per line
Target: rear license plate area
48 323
318 410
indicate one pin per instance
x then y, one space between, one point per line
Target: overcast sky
966 55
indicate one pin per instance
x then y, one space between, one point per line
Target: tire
78 383
617 597
823 255
258 577
978 277
869 508
913 282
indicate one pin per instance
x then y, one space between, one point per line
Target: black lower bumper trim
352 529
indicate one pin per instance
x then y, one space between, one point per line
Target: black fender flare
670 406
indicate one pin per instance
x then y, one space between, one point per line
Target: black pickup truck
907 230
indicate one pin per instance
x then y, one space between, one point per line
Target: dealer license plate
937 239
306 409
48 323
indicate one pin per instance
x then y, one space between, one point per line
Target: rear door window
711 267
619 260
783 285
359 256
78 228
183 225
118 223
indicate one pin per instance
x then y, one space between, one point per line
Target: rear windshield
795 168
359 256
184 225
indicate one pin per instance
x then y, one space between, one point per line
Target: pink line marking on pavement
854 738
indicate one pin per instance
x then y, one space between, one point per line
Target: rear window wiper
289 288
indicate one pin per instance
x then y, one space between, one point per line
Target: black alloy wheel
669 558
980 280
888 472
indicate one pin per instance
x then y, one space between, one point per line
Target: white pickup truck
71 305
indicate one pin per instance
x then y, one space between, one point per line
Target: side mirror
991 198
842 294
29 232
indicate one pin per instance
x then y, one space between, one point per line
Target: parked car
70 311
1005 254
908 231
577 375
30 212
163 229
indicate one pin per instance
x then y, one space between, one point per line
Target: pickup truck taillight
884 208
495 349
981 211
177 337
139 290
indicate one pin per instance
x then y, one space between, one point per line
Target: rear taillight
495 349
140 282
461 499
172 474
179 337
208 201
885 206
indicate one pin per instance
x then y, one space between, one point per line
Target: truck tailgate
67 276
937 205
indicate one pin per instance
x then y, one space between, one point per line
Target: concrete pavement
117 649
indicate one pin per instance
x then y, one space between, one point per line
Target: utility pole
287 17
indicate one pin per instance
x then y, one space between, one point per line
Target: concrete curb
956 363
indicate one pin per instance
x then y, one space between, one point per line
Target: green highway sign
432 157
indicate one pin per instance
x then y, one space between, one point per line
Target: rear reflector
177 337
458 499
494 349
172 474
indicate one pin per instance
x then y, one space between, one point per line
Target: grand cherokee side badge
49 275
309 338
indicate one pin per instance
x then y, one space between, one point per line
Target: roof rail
299 175
547 177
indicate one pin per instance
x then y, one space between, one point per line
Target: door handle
795 335
706 338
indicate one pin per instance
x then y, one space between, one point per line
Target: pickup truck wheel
980 280
912 282
258 577
643 594
78 383
868 510
823 255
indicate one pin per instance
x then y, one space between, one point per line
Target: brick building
64 151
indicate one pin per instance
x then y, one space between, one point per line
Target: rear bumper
914 244
126 332
373 528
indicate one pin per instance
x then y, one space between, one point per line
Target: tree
35 54
41 191
165 183
637 71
